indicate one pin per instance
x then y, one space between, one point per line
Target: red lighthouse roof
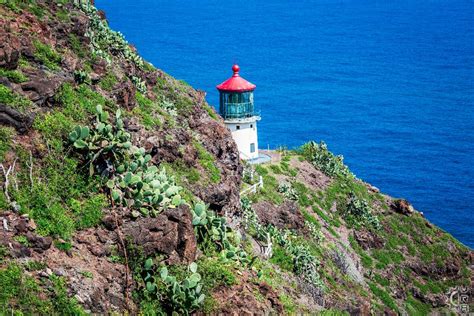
236 83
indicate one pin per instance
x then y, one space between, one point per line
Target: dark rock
110 221
22 226
98 250
170 233
41 89
286 215
403 207
38 243
125 94
11 117
368 240
10 51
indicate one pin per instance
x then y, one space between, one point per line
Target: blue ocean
387 84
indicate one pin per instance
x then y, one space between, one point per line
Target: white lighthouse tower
237 108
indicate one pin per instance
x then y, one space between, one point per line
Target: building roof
236 83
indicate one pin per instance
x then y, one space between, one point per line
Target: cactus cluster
315 232
358 212
139 84
80 76
326 161
288 191
183 297
133 184
103 40
305 264
208 226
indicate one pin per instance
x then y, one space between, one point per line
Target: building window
237 127
252 147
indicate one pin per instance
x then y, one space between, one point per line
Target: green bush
12 99
88 213
6 134
132 183
358 213
13 75
176 294
324 160
46 55
207 161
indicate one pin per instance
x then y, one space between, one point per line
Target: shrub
287 190
46 55
178 295
324 160
132 183
359 213
13 75
12 99
208 162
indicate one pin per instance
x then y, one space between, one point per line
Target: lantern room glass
236 105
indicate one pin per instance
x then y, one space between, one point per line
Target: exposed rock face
403 207
11 117
286 215
241 299
368 240
170 233
9 51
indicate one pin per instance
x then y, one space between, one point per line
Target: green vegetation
324 160
14 100
358 213
108 152
108 82
6 134
383 296
46 55
13 75
207 161
148 111
103 40
178 294
77 46
22 293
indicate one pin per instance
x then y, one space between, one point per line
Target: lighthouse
237 109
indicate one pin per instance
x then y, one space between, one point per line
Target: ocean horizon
388 85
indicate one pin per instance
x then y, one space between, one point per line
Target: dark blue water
388 84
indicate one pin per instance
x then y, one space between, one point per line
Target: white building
237 108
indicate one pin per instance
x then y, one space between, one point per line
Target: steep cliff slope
120 193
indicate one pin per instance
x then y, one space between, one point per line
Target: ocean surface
388 84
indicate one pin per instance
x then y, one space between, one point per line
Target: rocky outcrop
170 233
368 240
286 215
403 207
11 117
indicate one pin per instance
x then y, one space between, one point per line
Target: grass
108 82
13 100
61 197
88 213
76 45
46 55
148 111
207 161
280 258
13 75
386 299
21 294
6 135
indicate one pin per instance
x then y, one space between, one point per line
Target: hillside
121 194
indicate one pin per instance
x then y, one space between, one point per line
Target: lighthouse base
262 158
244 133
